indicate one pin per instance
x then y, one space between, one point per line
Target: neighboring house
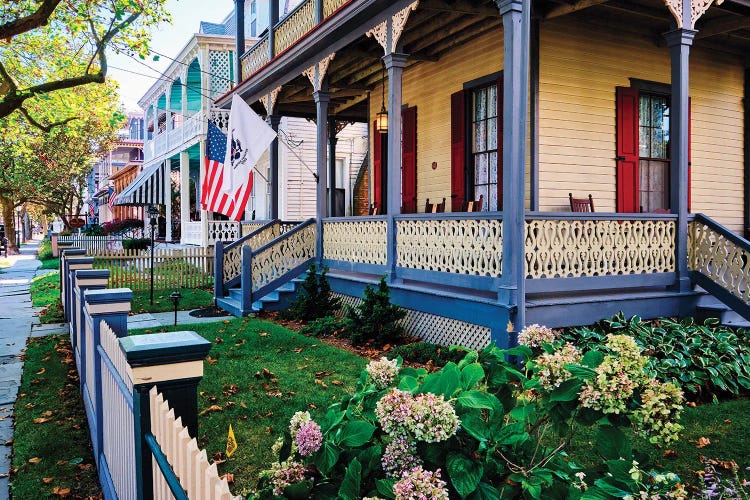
177 109
116 169
490 109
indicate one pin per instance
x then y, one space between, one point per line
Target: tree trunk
10 225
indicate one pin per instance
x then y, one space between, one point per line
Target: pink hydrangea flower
308 439
421 484
400 456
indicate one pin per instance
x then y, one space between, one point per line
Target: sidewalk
16 320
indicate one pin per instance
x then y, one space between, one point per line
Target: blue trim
355 267
725 232
109 296
590 283
161 460
105 479
91 417
718 291
286 278
486 283
451 216
127 395
219 290
164 348
251 234
597 216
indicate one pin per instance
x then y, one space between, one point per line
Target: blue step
230 305
274 300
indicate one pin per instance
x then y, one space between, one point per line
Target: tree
49 168
50 45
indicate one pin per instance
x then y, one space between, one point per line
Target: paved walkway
155 320
16 320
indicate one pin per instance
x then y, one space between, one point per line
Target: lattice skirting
434 328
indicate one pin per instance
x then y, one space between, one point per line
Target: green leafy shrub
703 359
94 230
45 250
315 299
323 327
136 244
423 352
485 428
376 319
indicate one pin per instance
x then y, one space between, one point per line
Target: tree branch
28 23
45 128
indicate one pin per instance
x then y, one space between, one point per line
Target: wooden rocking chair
581 204
474 205
373 209
434 208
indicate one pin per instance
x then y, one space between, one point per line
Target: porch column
273 18
322 98
184 192
516 22
394 63
679 42
239 47
332 140
273 157
184 110
202 186
168 199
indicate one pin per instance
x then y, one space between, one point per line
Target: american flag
91 208
211 196
111 198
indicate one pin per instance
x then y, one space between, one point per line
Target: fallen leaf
41 371
312 406
337 382
211 409
41 420
62 462
671 454
228 478
63 492
263 334
46 359
47 480
211 361
727 421
29 406
9 442
298 350
702 441
35 460
323 374
47 413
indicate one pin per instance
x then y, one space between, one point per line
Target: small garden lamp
175 297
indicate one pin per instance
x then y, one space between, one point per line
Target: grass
192 298
44 254
257 376
45 292
54 454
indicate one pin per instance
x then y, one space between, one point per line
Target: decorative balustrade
273 262
248 227
255 58
294 26
223 230
720 255
220 118
331 6
563 246
359 239
461 244
192 233
232 253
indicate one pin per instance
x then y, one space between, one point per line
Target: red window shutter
690 147
377 168
409 161
627 150
500 88
458 151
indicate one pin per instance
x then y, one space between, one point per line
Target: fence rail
173 268
93 243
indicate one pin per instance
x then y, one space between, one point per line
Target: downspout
746 109
239 18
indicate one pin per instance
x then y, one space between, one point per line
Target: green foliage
376 319
424 352
705 360
323 327
94 230
59 438
192 298
512 441
45 250
315 299
136 244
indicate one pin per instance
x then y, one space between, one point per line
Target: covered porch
507 265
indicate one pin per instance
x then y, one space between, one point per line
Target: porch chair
434 208
373 208
474 205
581 204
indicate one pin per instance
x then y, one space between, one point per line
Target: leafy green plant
424 352
376 319
45 250
484 428
93 230
704 360
136 244
315 299
323 327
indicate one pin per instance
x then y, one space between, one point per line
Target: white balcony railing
171 141
191 233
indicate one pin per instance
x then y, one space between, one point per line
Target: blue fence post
73 264
112 306
246 278
147 356
85 279
65 255
219 270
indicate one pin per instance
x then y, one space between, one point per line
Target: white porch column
201 180
168 199
184 192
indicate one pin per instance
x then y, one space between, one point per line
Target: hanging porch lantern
381 118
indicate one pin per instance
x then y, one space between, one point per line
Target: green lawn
192 298
257 375
44 254
54 453
45 292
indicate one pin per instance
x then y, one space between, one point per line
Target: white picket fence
92 243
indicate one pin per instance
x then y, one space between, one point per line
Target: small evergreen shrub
376 319
315 300
136 244
422 352
323 327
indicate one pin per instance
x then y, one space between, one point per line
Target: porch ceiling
440 26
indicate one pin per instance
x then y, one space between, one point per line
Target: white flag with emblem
248 138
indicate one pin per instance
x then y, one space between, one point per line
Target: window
484 150
653 152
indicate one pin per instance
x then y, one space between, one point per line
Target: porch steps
273 301
711 307
564 309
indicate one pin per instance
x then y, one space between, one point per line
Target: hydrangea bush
495 425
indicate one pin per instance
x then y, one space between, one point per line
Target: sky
168 40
